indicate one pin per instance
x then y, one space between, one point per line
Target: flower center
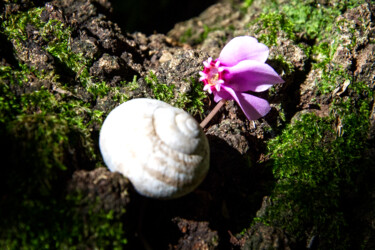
211 75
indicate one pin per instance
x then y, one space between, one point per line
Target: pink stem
212 113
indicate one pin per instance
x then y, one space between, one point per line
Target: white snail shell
159 148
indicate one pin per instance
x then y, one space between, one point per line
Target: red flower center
211 75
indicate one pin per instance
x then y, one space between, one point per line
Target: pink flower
241 67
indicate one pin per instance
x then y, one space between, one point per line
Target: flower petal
243 48
250 75
222 94
253 107
217 98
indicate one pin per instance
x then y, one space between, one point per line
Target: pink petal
250 75
243 48
217 98
222 94
253 107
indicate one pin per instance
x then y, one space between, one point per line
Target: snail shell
159 148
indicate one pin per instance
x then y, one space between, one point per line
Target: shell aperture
159 148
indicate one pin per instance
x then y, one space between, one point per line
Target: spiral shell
159 148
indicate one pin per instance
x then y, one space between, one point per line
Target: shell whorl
161 149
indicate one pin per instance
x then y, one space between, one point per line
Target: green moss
186 35
247 3
98 89
191 101
204 35
315 160
15 25
197 36
133 85
95 227
47 133
58 37
121 95
161 91
323 52
331 78
11 103
43 130
41 134
68 227
316 23
270 26
55 34
310 18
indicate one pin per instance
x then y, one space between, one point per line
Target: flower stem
212 113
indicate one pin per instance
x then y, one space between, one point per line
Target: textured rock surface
197 235
265 237
101 190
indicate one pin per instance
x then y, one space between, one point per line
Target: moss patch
191 101
270 26
55 34
311 19
48 128
316 160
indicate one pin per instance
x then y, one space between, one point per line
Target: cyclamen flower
241 67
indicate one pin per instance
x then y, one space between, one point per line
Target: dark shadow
65 73
228 199
159 16
358 205
288 94
6 51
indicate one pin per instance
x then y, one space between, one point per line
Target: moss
98 89
58 37
330 79
47 133
286 65
310 18
43 136
191 101
317 24
186 35
67 228
315 164
131 86
316 160
121 96
195 37
247 3
95 227
332 74
15 25
161 91
54 33
270 26
11 102
204 35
